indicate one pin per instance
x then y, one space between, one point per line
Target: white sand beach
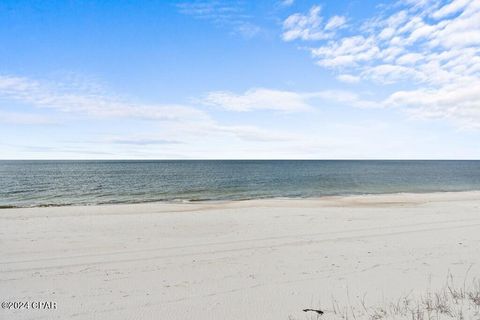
258 259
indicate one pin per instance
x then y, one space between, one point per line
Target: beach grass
452 301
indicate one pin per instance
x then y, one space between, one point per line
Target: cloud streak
284 101
222 13
24 118
177 124
258 99
68 99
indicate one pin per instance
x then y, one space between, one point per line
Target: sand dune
258 259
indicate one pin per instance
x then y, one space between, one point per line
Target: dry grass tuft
449 302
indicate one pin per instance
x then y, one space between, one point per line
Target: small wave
40 205
48 205
213 199
8 207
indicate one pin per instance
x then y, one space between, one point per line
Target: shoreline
222 201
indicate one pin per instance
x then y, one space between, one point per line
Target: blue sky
240 79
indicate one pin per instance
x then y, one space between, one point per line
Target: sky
273 79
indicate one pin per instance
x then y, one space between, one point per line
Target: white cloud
386 33
450 8
461 104
141 141
285 101
175 127
335 22
222 14
287 3
258 99
66 98
305 27
310 27
251 133
391 73
347 51
216 11
24 118
345 98
348 78
440 57
409 58
247 29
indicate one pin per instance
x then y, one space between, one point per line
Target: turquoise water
55 183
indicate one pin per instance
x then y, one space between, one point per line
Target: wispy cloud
348 78
335 22
25 118
254 134
258 99
287 3
432 45
344 97
141 141
215 11
71 99
46 149
177 124
284 101
222 13
310 26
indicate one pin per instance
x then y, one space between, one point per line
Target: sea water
57 183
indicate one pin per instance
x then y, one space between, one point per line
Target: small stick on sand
313 310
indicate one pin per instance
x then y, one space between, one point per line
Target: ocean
61 183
